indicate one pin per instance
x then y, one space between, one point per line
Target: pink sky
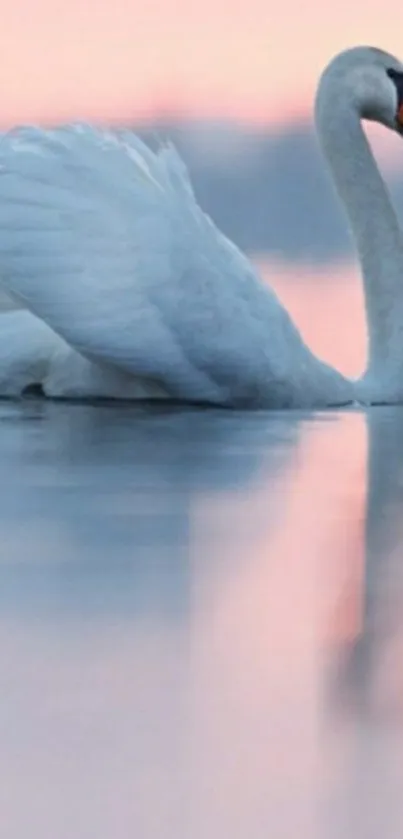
107 59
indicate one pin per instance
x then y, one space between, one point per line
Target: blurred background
232 82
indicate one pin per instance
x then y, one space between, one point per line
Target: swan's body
132 292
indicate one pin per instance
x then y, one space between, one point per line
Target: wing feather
102 239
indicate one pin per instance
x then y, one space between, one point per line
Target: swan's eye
397 78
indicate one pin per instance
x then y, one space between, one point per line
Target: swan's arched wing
103 240
89 226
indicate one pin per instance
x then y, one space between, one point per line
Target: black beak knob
397 79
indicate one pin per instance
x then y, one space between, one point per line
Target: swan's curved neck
375 229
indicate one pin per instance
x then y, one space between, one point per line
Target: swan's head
369 80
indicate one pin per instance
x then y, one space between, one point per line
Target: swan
125 288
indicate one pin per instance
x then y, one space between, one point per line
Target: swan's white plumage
103 239
31 353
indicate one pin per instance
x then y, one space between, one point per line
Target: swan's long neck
376 232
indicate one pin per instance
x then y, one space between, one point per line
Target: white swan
132 292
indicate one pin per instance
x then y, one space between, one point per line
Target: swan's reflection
362 681
109 540
99 503
188 601
364 793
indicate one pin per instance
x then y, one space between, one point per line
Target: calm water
202 617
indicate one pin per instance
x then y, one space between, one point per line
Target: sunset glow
114 60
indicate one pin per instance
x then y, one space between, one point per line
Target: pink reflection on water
270 630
